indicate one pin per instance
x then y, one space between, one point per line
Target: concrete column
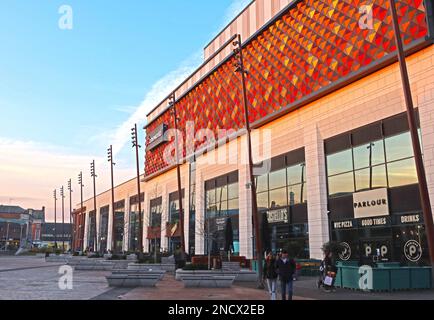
316 191
146 221
86 231
164 218
110 229
245 205
127 212
200 213
186 205
426 113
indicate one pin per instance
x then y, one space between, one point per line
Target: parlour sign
374 203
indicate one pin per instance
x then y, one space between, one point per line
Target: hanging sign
278 216
374 203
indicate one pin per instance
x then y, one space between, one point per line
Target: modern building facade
331 142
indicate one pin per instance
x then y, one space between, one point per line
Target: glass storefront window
155 215
278 179
262 199
363 158
296 174
399 147
340 162
402 173
278 198
219 211
341 184
233 191
296 194
262 183
364 180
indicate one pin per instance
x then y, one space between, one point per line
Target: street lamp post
112 164
70 213
172 104
423 185
55 219
94 176
62 195
239 67
137 146
80 182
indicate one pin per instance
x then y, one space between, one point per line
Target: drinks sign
374 203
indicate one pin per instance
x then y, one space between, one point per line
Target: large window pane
233 207
362 155
222 194
278 198
363 178
222 208
262 200
402 173
233 191
296 194
399 147
262 183
340 162
278 179
296 174
341 184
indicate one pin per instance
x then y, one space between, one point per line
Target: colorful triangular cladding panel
311 46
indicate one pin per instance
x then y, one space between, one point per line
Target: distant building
52 233
20 227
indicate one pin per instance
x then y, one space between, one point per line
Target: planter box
241 276
231 266
146 266
207 281
58 259
132 281
157 273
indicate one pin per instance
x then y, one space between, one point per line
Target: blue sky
66 94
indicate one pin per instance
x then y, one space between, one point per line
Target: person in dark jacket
270 275
286 268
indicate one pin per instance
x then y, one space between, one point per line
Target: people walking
286 268
270 275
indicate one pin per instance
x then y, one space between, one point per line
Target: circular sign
345 255
413 251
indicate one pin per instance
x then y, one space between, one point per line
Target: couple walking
282 268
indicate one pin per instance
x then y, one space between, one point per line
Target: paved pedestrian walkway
31 278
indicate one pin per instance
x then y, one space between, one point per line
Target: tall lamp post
112 164
423 185
239 68
62 195
70 214
55 218
80 182
137 146
94 176
172 104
